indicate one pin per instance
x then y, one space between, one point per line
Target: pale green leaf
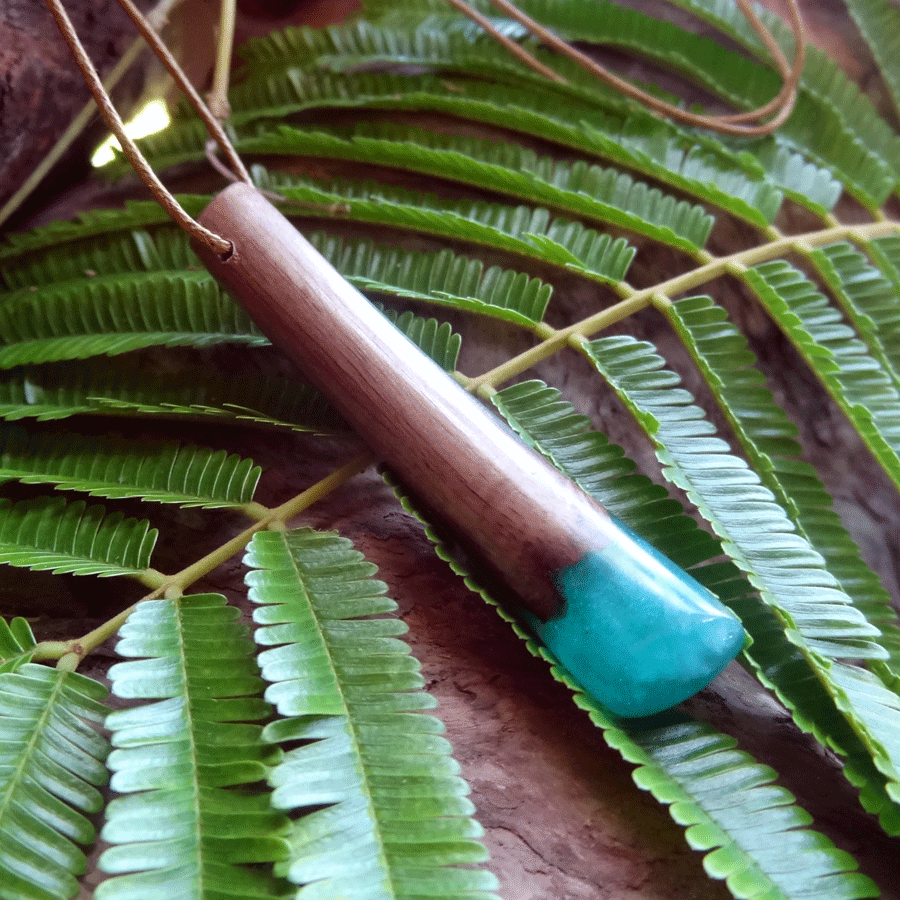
856 381
51 766
394 822
185 826
17 643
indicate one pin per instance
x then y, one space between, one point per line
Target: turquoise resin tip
635 631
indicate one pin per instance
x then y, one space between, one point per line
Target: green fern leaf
601 195
842 139
867 298
451 45
838 358
755 531
17 643
159 472
752 529
388 787
442 277
51 764
802 181
879 22
821 78
687 765
522 230
433 338
120 387
49 534
437 278
813 129
552 427
19 248
768 438
108 316
757 837
642 143
186 825
454 45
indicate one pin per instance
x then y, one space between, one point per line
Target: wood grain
525 518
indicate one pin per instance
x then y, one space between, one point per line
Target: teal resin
635 631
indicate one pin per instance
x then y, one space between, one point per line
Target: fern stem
70 653
76 650
217 99
272 519
151 578
734 264
254 510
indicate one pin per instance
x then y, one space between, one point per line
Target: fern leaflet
388 787
186 825
51 766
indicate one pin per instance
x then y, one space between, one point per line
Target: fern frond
106 467
813 129
442 278
867 298
522 230
552 427
18 247
754 529
642 143
599 195
435 339
848 135
114 315
822 80
17 643
759 537
804 182
51 764
768 439
187 825
727 803
453 45
836 355
389 789
437 278
49 534
879 23
119 387
713 789
885 253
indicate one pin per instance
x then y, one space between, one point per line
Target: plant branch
217 98
634 300
70 653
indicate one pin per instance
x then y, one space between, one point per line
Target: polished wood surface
525 518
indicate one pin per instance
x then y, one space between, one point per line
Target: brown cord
783 103
213 126
117 126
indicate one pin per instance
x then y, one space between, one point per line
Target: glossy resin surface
638 633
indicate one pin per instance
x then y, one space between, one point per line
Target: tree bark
41 89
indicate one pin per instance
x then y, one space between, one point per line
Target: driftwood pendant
635 631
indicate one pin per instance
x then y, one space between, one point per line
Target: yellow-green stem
70 653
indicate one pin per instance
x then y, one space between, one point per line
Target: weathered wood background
562 817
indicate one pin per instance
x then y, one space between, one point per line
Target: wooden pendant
587 582
528 519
